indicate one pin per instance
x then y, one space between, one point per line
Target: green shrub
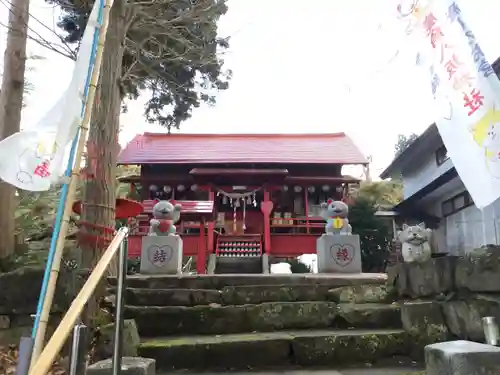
374 233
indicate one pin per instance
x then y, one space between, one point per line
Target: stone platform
221 281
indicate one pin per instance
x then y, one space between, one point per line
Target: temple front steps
274 349
256 321
235 265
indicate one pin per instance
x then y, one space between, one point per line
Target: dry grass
8 362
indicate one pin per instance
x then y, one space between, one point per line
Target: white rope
238 195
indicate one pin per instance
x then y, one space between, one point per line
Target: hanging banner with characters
36 157
466 92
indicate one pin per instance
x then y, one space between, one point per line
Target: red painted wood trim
320 179
241 171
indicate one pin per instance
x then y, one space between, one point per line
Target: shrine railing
300 224
62 332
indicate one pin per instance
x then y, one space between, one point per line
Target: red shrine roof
154 148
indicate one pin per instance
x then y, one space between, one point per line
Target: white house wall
466 229
424 172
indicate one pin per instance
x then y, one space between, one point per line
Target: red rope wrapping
100 241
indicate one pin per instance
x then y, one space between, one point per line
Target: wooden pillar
211 224
201 258
267 222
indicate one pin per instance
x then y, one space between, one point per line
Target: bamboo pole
84 128
56 342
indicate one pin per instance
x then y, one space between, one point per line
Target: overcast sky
299 66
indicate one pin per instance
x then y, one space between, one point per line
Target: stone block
27 280
339 254
426 279
130 340
4 322
479 271
212 263
366 293
464 317
215 319
425 323
368 315
462 358
256 294
130 366
350 347
172 297
265 264
161 255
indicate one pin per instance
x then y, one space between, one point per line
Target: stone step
255 294
231 295
368 315
220 281
284 348
171 297
264 317
232 265
366 293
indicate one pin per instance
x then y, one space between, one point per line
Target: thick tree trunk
11 103
102 148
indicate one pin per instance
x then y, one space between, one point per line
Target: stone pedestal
462 358
339 254
161 255
130 366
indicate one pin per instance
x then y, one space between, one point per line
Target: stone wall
19 292
445 298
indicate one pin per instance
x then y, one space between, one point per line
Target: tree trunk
102 149
11 103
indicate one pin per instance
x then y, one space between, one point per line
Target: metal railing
71 319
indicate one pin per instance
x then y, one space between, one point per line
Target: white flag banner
36 157
466 92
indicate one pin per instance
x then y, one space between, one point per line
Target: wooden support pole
84 128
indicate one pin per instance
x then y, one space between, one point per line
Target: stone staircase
231 322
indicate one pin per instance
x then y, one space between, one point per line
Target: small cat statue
165 215
335 213
415 243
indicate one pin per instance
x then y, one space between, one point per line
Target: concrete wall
466 229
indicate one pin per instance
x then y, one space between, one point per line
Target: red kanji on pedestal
343 254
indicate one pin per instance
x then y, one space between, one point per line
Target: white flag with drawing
36 157
466 92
